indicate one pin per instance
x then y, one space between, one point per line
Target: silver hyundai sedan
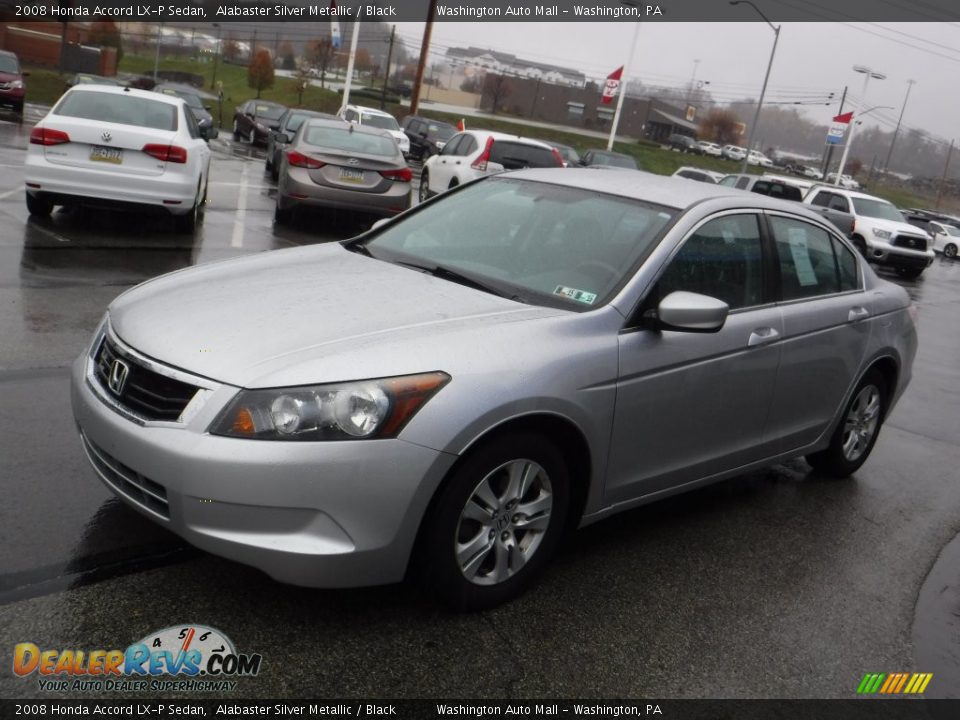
455 389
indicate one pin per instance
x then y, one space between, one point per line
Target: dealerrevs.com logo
177 658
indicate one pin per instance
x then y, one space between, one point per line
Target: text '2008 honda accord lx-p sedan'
452 391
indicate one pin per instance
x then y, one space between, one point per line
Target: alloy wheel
861 422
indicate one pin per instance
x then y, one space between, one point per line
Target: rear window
778 190
121 109
441 132
342 139
514 156
270 112
384 122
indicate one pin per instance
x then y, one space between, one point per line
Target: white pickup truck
879 230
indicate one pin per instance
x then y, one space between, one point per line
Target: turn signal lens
401 175
297 159
48 136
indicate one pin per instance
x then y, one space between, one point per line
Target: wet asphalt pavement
773 584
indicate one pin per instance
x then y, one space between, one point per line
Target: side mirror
282 138
691 312
209 132
379 223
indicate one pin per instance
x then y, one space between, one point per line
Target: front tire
496 523
950 251
423 194
236 130
252 137
860 244
857 433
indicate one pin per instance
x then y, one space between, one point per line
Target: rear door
826 328
109 131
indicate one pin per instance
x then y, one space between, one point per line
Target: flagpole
353 51
623 86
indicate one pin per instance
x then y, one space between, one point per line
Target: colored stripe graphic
894 683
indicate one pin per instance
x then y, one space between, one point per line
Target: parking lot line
236 240
4 195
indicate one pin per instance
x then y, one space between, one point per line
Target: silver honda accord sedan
452 391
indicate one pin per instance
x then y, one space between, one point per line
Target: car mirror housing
691 312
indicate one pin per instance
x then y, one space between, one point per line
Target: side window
728 181
847 262
742 183
761 187
839 202
350 116
821 199
468 146
721 259
451 147
193 128
808 267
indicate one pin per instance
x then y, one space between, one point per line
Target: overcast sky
812 59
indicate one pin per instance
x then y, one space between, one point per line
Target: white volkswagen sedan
118 148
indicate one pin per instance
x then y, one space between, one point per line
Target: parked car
195 101
804 171
699 174
453 391
13 87
329 164
571 158
880 233
846 181
734 152
256 119
474 153
779 188
427 137
755 157
710 148
607 158
684 143
118 148
279 139
91 79
946 238
371 117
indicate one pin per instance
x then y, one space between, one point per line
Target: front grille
145 393
911 242
132 485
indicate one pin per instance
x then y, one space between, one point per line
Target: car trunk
107 147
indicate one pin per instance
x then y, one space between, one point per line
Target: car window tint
467 146
808 267
193 127
384 122
294 122
728 181
742 183
838 202
821 199
452 147
847 262
721 259
514 155
121 109
341 139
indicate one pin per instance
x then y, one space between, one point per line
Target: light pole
763 91
867 74
216 57
886 165
624 78
156 59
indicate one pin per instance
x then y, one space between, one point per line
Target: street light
867 74
773 51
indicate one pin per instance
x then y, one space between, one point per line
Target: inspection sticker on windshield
579 295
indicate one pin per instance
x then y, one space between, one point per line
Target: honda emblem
118 376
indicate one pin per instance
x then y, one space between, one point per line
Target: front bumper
897 257
320 514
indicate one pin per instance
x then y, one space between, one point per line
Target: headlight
342 411
882 234
16 85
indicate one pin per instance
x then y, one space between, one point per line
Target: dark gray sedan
279 139
453 391
342 166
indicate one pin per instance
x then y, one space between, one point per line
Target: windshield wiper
357 247
458 277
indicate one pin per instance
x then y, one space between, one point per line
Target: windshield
876 209
441 132
547 244
622 161
270 112
192 100
8 64
951 230
384 122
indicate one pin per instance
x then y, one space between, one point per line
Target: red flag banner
844 118
462 125
611 86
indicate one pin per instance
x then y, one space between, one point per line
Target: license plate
351 176
106 154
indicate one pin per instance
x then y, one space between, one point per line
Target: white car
846 181
734 152
946 238
473 153
812 173
120 148
371 117
758 158
699 174
710 148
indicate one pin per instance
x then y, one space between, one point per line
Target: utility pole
156 58
886 165
536 95
386 74
943 179
422 63
829 155
216 57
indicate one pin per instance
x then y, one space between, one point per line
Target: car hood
292 316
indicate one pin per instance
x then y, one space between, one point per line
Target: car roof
846 192
370 110
183 88
336 122
484 134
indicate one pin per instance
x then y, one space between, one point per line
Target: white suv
473 153
371 117
879 230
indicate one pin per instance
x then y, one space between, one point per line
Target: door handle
857 313
763 336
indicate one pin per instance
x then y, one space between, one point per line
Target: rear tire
496 523
38 207
855 436
950 251
423 194
860 244
252 137
187 224
282 216
236 130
